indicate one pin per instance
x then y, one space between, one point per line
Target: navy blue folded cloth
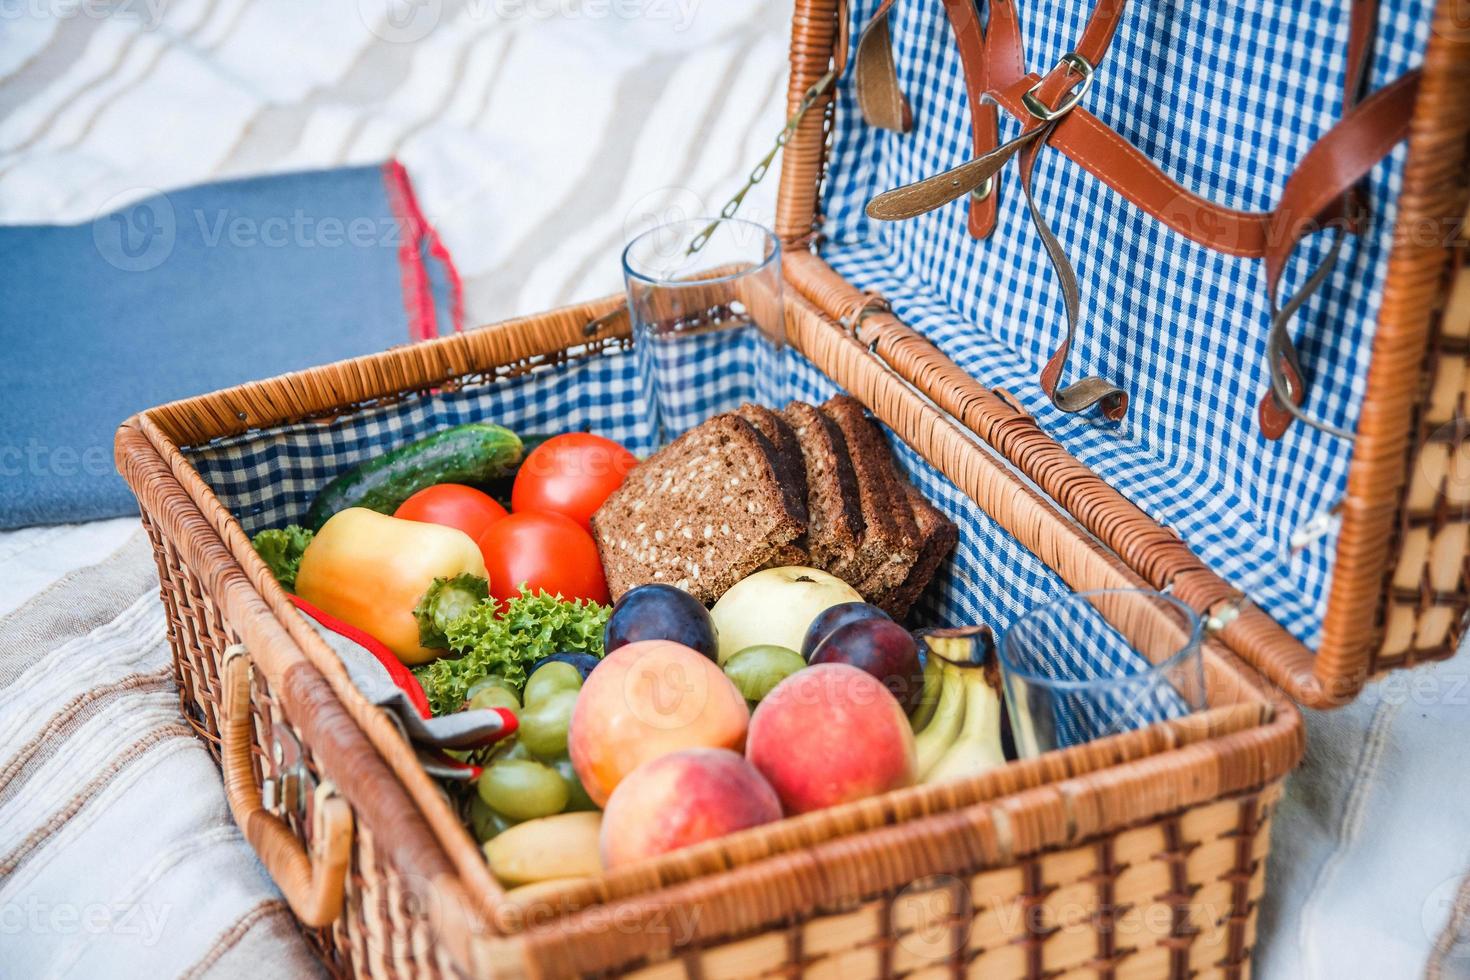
191 291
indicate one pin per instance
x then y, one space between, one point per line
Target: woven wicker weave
1139 855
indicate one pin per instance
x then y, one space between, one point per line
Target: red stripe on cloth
418 295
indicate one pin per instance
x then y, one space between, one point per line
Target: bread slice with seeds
700 514
835 517
890 543
937 538
781 440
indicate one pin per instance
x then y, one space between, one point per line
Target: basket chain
757 174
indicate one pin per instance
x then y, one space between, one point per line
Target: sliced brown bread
890 543
781 440
937 538
835 517
700 514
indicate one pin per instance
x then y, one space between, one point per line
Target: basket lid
1173 299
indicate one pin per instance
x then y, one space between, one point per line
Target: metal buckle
1073 62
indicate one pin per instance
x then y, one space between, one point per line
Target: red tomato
548 552
453 505
571 474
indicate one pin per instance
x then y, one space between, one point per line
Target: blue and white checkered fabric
1226 97
268 478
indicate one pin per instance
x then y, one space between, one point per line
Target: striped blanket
118 855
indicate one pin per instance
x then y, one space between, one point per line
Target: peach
645 700
681 799
831 734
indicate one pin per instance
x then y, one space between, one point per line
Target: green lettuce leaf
281 550
508 643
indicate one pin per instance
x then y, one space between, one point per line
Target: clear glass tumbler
1094 664
709 325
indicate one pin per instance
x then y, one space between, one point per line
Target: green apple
774 607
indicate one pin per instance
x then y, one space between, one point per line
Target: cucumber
473 453
501 486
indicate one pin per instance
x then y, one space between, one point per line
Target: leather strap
1362 32
1314 198
1102 152
990 58
925 195
964 21
839 52
1087 140
875 76
1079 395
1288 387
1324 190
1096 38
931 192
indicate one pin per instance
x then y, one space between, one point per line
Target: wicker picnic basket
1139 855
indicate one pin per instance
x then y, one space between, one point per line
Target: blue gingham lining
1226 97
267 478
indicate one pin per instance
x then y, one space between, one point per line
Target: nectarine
831 734
681 799
645 700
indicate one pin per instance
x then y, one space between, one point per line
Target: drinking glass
1093 664
708 322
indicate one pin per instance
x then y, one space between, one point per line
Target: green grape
489 680
544 724
485 822
551 678
495 696
512 749
755 670
577 798
523 790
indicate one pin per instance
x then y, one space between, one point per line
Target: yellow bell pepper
370 570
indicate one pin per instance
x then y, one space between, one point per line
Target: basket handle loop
313 884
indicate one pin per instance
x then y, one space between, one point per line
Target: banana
929 696
978 746
949 715
970 741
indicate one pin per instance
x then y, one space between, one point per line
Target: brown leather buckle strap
1315 197
1077 73
875 76
1096 38
1323 191
1047 101
991 58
